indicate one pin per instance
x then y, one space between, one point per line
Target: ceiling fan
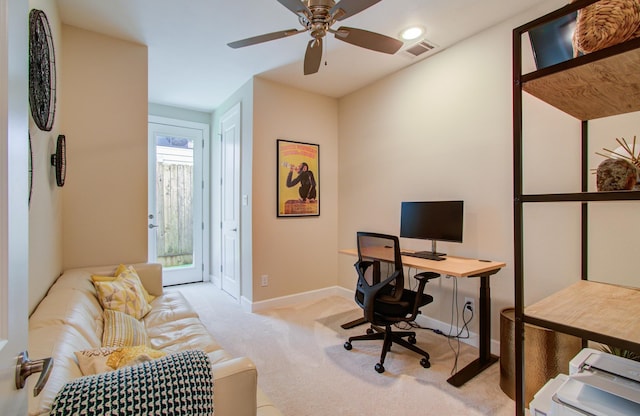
316 17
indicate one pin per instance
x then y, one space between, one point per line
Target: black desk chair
385 300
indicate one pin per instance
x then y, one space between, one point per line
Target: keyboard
423 255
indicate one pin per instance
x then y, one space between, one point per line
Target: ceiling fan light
412 33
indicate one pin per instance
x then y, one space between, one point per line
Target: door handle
152 226
26 367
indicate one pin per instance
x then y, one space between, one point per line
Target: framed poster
298 179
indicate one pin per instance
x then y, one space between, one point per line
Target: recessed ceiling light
412 33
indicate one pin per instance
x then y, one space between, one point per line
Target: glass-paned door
176 200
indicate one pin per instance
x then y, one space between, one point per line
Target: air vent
420 48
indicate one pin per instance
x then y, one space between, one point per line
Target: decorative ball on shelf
616 175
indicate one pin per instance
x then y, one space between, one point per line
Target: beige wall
105 102
104 198
298 254
45 210
438 130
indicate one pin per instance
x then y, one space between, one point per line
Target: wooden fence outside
174 196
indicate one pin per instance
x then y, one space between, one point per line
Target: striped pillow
122 330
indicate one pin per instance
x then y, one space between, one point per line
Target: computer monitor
432 220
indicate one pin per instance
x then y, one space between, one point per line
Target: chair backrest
380 271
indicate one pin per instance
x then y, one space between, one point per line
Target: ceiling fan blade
347 8
313 56
368 40
264 38
296 6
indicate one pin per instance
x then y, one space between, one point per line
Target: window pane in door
174 198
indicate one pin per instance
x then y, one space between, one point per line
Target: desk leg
485 358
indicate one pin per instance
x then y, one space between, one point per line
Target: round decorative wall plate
42 71
59 160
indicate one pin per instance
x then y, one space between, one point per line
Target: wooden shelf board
598 89
591 306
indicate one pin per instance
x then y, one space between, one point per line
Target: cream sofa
70 319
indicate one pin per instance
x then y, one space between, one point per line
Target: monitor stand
433 252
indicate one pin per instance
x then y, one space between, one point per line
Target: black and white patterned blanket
177 384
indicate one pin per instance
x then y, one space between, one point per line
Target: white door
176 201
230 202
14 195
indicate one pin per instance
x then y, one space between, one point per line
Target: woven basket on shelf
606 23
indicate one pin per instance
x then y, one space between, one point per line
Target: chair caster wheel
412 339
369 331
379 368
425 363
347 346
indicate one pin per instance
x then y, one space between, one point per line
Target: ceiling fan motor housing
320 20
316 17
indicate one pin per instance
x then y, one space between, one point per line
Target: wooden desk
464 268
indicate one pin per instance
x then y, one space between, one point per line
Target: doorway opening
177 203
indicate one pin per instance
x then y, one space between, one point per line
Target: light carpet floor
305 370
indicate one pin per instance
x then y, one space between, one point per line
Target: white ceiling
191 66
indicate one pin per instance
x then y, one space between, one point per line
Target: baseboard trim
216 279
447 329
290 300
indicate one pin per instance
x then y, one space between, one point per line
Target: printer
598 384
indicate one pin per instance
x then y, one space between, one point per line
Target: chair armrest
235 384
426 276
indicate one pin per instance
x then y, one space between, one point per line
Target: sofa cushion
181 334
168 307
122 330
72 307
219 356
125 294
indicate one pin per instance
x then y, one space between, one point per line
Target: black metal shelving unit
550 85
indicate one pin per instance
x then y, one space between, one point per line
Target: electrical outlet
469 303
264 280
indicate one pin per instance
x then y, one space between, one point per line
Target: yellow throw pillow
104 359
124 294
126 356
130 272
122 330
122 268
